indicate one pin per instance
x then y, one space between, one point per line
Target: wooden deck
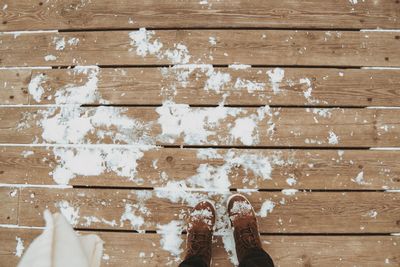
123 114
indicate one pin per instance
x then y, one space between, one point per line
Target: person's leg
257 258
199 236
194 261
245 231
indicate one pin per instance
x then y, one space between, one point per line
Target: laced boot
244 224
200 230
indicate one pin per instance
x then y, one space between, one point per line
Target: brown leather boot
244 224
200 230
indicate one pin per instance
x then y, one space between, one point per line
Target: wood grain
327 212
14 86
309 169
279 127
9 205
251 86
124 249
255 47
33 15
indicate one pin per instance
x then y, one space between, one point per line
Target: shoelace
248 236
199 244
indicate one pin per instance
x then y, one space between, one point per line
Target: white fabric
60 246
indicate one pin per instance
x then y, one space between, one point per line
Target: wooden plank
173 124
301 169
9 205
255 47
14 86
327 212
28 14
250 86
123 249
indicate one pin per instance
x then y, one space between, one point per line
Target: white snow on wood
93 219
94 161
239 66
82 94
333 139
50 58
212 40
36 186
19 249
69 212
229 245
142 41
195 125
276 76
35 88
72 125
171 239
59 42
289 192
27 153
130 215
359 179
267 207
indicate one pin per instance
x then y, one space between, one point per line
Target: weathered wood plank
301 169
14 86
9 205
29 14
249 86
124 249
182 125
256 47
327 212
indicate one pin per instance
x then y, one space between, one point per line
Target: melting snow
69 212
50 58
35 87
289 192
19 249
195 124
27 153
266 208
171 239
83 94
276 76
142 41
333 139
93 161
360 179
239 66
129 215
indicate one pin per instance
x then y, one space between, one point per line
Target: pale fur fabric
60 246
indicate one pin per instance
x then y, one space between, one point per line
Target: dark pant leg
257 258
194 261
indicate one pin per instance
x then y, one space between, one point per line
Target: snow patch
70 213
289 192
276 76
333 139
19 249
360 179
35 87
50 58
94 161
267 207
83 94
27 153
194 124
171 239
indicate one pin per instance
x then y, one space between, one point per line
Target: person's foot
244 224
200 230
